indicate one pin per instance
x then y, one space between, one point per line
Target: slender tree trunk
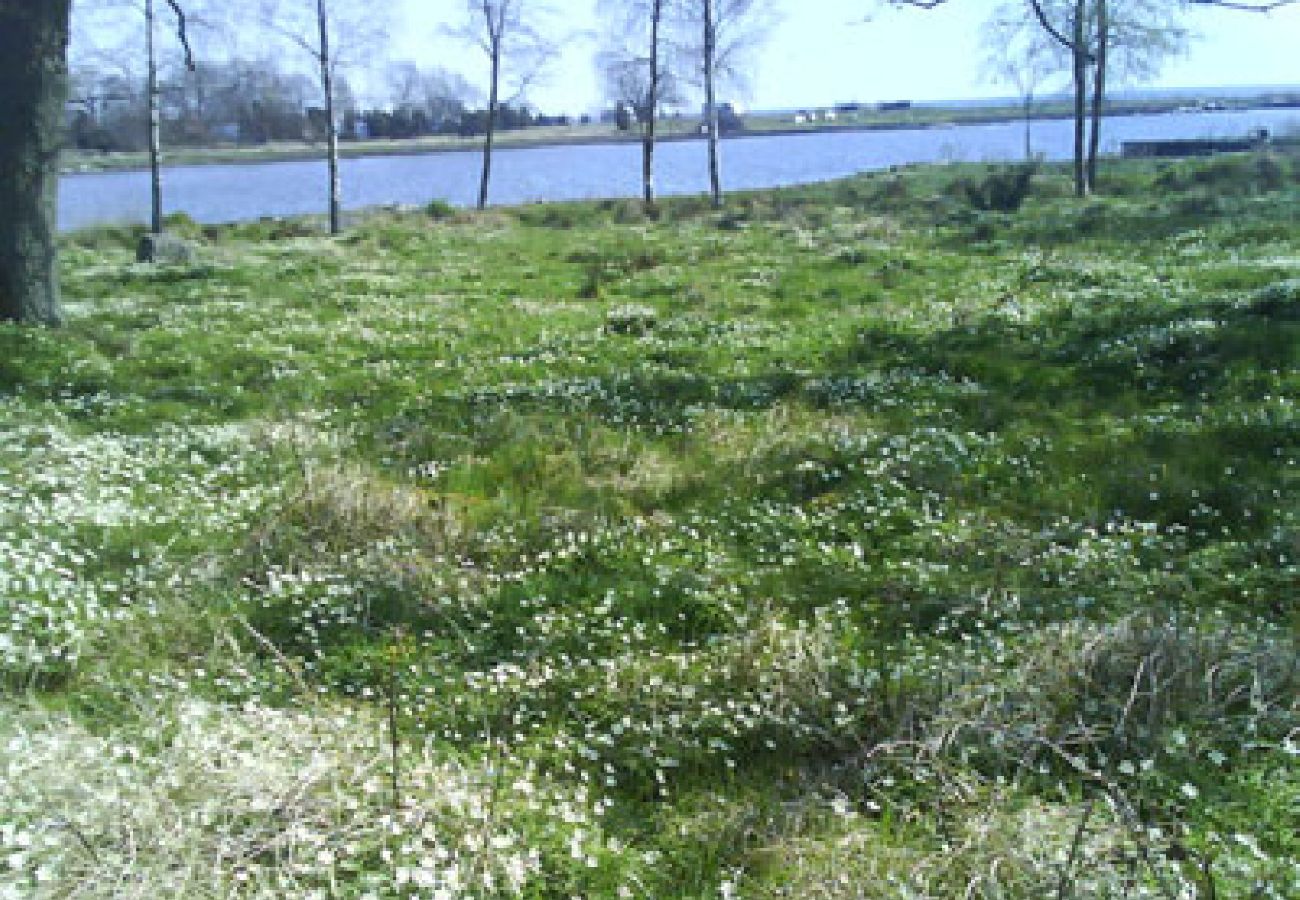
1029 136
200 103
33 92
1079 58
493 96
331 134
1098 90
711 104
155 123
652 108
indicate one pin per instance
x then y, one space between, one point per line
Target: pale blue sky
822 52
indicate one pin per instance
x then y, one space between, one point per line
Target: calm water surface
235 193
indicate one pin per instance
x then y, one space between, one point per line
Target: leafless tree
728 30
155 120
330 33
1090 32
514 37
1103 37
1019 54
147 10
632 67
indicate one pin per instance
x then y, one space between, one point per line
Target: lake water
234 193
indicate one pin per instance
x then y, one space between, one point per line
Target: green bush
184 226
439 210
1003 189
1238 174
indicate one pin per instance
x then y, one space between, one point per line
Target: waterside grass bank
868 539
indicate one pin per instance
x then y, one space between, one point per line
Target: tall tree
633 70
728 31
97 40
708 18
328 32
1071 34
34 75
1091 31
511 33
331 125
1099 36
155 116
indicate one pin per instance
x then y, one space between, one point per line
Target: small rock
165 249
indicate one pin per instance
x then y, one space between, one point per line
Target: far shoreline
83 163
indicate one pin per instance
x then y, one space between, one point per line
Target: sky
818 52
823 52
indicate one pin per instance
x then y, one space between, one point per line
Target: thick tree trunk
155 123
331 134
711 104
1098 90
493 99
33 91
652 109
1079 58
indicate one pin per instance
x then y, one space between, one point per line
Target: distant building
729 118
894 105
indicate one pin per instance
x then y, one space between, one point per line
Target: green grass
850 542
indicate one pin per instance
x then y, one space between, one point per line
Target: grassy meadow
860 540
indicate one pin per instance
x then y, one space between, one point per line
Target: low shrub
1239 174
439 210
1003 189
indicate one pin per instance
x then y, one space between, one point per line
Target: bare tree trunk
493 98
1079 58
711 104
155 123
201 101
1029 114
1098 90
652 108
331 134
33 91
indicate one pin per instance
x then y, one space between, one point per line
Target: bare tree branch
1041 15
182 33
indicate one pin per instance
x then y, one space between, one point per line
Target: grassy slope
851 542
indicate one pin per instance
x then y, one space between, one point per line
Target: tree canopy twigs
1041 15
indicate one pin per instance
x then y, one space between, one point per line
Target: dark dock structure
1179 147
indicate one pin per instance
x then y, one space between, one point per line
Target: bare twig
288 664
182 33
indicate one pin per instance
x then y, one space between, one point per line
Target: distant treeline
250 102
